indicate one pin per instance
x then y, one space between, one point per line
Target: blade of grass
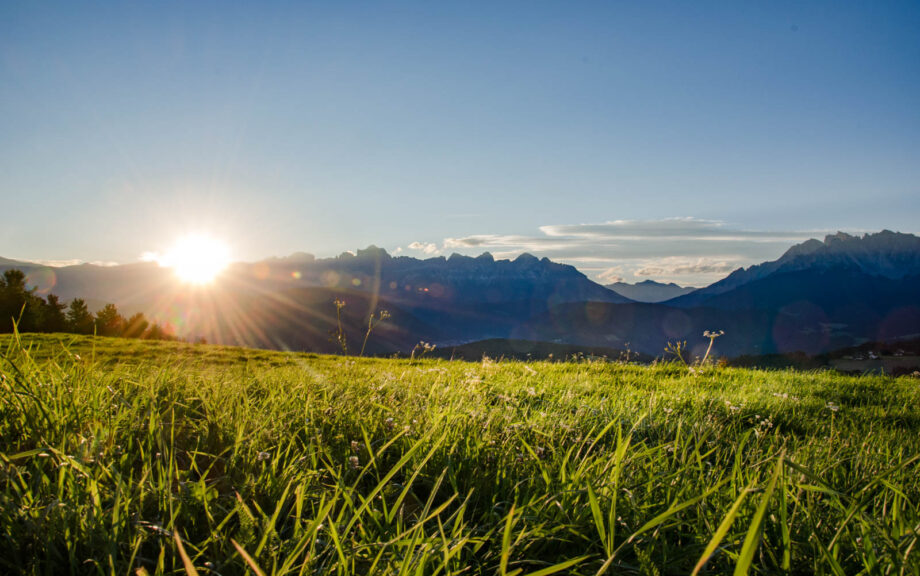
270 525
752 539
558 567
247 558
506 544
186 561
598 518
658 520
720 532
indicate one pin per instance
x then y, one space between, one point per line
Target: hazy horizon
643 275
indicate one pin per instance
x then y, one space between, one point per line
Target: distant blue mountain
817 297
811 311
287 302
457 279
820 295
886 254
649 291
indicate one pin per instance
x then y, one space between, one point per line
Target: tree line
22 308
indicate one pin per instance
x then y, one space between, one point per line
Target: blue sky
433 127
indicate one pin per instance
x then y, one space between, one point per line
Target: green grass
120 455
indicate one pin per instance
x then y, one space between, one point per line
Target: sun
197 258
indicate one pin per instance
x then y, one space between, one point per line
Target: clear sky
665 140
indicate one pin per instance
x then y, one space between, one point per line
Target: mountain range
887 254
649 290
820 295
817 297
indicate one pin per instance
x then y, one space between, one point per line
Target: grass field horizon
131 457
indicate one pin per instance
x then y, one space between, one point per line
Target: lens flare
197 258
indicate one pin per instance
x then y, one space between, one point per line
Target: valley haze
819 296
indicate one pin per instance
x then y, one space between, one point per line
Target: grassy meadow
131 457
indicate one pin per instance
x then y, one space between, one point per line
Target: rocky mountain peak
298 257
884 254
866 250
526 258
839 238
806 247
372 253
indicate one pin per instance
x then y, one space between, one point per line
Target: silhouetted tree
79 317
52 318
155 333
20 306
17 302
135 326
109 322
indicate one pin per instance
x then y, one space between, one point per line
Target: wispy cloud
611 275
429 248
73 262
58 263
667 229
689 251
681 267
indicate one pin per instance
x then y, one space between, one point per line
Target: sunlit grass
117 455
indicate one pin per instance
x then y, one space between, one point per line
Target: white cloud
667 229
611 275
505 241
74 262
429 248
58 263
682 266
